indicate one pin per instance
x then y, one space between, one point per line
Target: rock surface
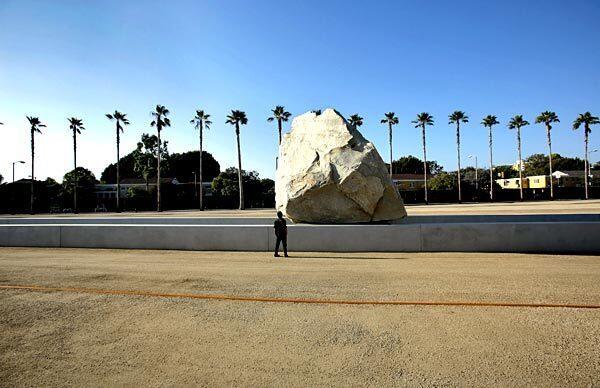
329 173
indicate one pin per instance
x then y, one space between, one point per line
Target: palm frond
489 121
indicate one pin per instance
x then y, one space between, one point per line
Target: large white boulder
329 173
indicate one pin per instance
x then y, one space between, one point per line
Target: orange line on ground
291 300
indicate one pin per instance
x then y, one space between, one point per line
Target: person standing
280 234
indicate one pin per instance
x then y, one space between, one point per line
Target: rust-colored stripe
291 300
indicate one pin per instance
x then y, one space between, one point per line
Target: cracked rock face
329 173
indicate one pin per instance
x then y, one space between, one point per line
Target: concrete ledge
549 237
200 238
30 236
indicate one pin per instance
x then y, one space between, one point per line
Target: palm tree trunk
425 164
277 157
491 168
32 169
158 173
550 161
237 134
200 193
458 156
279 126
520 163
75 171
586 162
118 175
391 157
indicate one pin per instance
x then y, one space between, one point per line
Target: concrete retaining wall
577 237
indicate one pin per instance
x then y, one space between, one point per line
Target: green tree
413 165
201 121
258 192
458 117
548 118
35 125
537 164
489 121
518 122
355 120
506 171
76 126
120 120
586 119
145 157
182 165
423 120
443 181
280 115
160 121
81 175
390 119
83 180
564 163
237 118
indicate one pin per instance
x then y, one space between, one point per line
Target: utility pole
195 186
589 171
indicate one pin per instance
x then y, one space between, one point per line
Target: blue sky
86 58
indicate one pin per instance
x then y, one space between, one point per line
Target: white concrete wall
550 237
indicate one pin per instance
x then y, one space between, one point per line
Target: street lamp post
13 163
589 171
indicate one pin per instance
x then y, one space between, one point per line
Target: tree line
237 118
547 118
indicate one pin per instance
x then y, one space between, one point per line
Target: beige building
512 183
539 181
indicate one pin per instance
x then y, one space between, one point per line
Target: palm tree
489 121
75 125
424 119
237 118
548 118
355 120
391 119
201 121
517 123
586 119
456 118
160 121
281 115
35 125
120 120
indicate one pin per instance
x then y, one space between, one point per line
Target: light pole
195 188
22 162
589 171
476 176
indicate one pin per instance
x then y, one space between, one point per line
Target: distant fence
500 195
49 198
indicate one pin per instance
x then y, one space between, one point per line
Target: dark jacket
280 228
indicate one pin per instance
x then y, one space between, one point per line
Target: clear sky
87 58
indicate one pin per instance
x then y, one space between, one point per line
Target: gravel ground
67 339
502 208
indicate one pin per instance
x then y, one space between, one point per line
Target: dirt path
71 338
